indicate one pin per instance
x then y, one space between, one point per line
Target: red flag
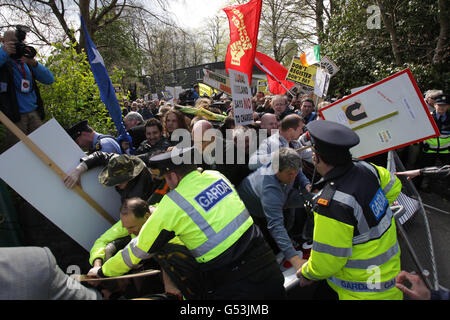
244 25
275 72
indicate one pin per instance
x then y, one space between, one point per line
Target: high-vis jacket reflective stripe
117 231
362 266
214 238
440 144
368 287
204 211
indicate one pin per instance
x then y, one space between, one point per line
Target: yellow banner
300 74
203 88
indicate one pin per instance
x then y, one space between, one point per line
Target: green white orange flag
310 56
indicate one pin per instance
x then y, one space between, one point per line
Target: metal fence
414 230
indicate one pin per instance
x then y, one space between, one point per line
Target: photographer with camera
20 99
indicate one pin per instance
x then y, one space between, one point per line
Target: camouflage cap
121 169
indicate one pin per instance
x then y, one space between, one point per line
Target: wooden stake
52 165
303 148
145 273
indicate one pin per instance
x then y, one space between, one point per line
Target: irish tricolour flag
310 56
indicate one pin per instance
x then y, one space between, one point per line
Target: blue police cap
329 136
442 99
75 130
167 161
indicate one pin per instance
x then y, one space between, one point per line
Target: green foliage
74 96
117 47
365 55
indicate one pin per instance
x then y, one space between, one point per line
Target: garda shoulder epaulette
326 195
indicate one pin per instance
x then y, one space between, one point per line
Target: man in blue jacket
20 99
271 194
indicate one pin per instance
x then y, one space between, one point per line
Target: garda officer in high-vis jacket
355 245
438 148
179 268
205 212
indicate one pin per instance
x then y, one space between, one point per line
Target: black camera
23 50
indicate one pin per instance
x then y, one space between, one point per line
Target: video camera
23 50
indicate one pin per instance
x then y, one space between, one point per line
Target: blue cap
329 136
442 99
75 130
167 161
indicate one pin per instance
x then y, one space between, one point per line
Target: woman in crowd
172 120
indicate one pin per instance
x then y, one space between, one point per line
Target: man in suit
31 273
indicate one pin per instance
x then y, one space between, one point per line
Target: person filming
20 99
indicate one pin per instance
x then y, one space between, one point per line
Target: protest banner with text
242 98
303 75
217 81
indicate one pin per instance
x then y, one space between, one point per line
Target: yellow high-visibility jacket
355 244
204 211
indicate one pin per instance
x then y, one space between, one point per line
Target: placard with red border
386 115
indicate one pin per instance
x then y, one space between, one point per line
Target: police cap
442 99
167 161
329 136
75 130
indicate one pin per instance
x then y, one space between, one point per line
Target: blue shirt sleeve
3 56
42 74
303 180
272 201
109 145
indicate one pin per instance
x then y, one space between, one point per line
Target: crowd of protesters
277 193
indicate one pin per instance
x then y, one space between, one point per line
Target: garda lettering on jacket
212 195
364 287
379 204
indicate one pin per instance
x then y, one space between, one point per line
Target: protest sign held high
244 26
386 115
321 82
275 72
301 74
263 86
242 98
217 81
329 65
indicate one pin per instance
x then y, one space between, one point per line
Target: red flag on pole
244 25
275 72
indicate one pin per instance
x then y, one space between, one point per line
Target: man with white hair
429 98
134 123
